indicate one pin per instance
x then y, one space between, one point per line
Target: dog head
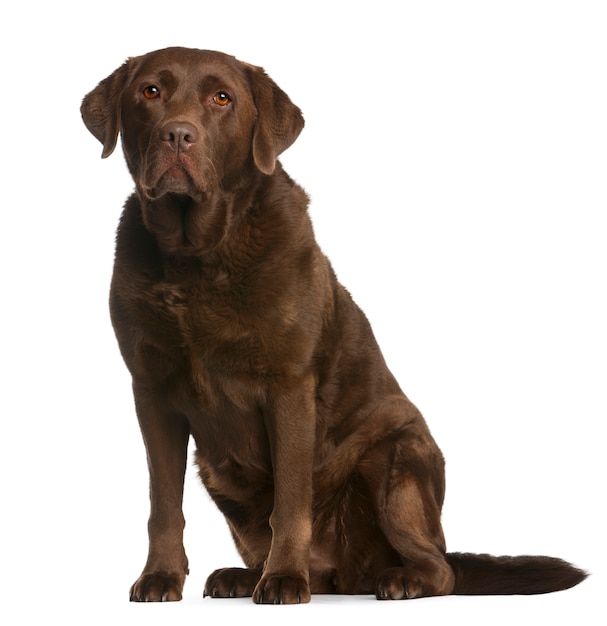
191 121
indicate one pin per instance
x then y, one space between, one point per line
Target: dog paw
232 582
157 587
394 584
282 589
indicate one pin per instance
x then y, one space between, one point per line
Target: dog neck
236 228
193 226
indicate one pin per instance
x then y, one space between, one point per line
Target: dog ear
101 108
279 121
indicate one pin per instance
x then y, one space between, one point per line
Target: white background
455 153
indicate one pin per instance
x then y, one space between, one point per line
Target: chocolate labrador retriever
237 333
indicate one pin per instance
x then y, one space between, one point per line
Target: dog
238 334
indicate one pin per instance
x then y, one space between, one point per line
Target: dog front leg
165 434
290 422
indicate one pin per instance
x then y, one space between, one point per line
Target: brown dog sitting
236 332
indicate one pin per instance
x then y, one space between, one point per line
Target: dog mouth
175 180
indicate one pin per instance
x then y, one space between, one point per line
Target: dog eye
151 92
221 98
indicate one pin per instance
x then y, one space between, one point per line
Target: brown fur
237 333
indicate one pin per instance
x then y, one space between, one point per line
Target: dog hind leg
409 483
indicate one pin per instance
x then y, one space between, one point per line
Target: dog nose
179 135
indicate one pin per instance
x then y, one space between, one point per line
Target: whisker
217 179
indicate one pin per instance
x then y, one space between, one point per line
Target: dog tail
483 574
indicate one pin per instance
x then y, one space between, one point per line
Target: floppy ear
279 121
101 108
